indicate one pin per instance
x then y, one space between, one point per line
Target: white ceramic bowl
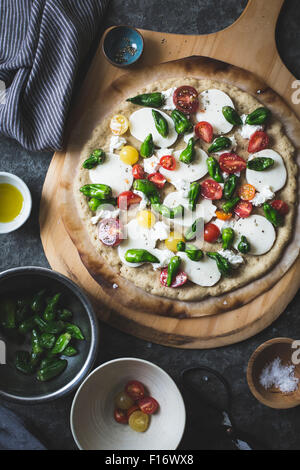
14 180
92 422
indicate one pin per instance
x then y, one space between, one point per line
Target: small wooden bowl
263 355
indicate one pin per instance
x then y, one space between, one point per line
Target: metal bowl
26 389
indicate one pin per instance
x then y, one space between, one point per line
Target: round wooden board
206 332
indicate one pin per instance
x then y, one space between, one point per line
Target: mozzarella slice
205 272
204 209
259 232
211 104
192 172
274 177
142 124
114 173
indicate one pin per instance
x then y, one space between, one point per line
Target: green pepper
230 186
53 369
70 351
227 238
169 213
182 124
147 147
272 215
96 158
193 252
22 311
64 314
22 362
214 169
74 331
259 116
260 163
160 123
47 340
181 246
220 143
222 263
95 203
193 195
36 348
231 116
155 100
47 361
173 268
139 255
187 155
146 187
230 205
52 326
38 302
51 308
195 229
8 313
99 191
244 246
61 343
27 325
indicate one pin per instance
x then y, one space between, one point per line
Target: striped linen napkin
42 43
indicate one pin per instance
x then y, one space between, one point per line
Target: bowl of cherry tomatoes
128 404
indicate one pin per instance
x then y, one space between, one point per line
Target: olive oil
11 202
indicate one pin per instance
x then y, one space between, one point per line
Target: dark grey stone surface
50 422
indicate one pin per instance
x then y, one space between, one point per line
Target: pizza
188 188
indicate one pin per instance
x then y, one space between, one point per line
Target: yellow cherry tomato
129 155
123 401
139 421
146 219
119 124
171 242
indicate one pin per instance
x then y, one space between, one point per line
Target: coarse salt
280 376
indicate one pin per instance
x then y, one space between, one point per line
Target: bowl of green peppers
48 335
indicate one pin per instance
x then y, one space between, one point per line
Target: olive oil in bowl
11 202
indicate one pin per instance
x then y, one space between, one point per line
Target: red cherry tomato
204 131
243 209
258 141
232 163
185 99
211 233
132 409
280 206
158 179
138 172
148 405
110 232
210 189
121 416
135 390
178 281
127 198
168 162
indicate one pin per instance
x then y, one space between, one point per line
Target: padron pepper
182 124
173 268
27 325
47 340
231 116
36 348
195 229
160 123
214 170
180 246
52 326
230 186
22 311
22 362
193 195
259 116
140 255
61 343
99 191
95 203
193 252
230 205
96 158
155 100
222 263
165 211
74 331
147 187
220 143
187 155
8 313
38 302
64 314
147 147
50 311
260 163
70 351
53 369
244 246
227 238
272 215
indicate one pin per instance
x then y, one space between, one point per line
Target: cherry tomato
211 233
204 131
223 216
148 405
178 281
258 141
123 401
168 162
247 192
131 410
120 416
135 390
138 172
232 163
185 99
210 189
280 206
158 179
110 232
127 198
119 124
243 209
139 421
